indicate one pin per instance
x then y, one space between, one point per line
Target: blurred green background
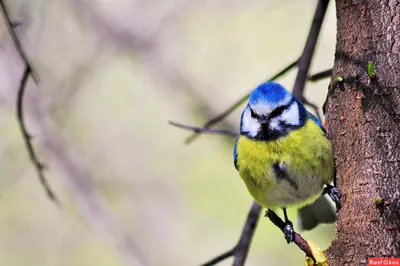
112 73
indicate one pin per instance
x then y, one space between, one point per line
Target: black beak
263 119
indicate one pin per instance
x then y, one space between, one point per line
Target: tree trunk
363 121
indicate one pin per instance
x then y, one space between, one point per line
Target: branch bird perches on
28 71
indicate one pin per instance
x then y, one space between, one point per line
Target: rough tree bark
363 120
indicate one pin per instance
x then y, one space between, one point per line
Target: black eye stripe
252 113
276 112
279 110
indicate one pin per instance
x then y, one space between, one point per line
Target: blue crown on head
268 93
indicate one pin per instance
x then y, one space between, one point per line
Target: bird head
272 112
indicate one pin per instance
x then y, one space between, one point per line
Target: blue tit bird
284 157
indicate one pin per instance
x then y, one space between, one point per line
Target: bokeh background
112 73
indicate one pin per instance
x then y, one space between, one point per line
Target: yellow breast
307 155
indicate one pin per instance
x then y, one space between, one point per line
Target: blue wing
315 119
235 152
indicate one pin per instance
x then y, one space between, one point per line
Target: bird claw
334 195
289 232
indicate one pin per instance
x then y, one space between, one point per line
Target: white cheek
274 124
250 125
291 115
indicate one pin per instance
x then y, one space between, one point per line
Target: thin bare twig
320 75
204 130
27 138
308 52
241 249
10 27
213 121
28 71
220 258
